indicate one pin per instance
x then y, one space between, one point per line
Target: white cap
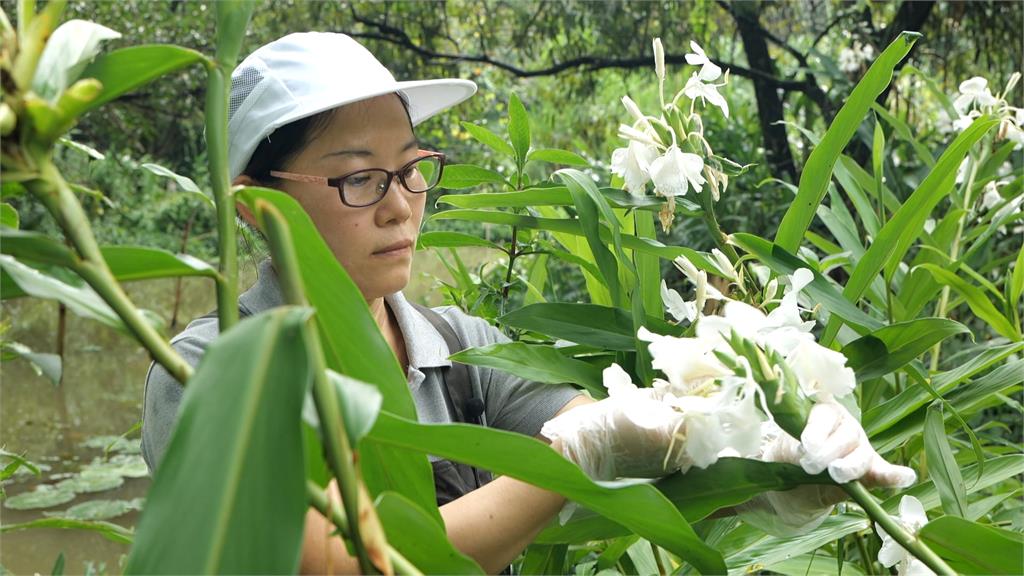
306 73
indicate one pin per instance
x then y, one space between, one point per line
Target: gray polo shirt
510 403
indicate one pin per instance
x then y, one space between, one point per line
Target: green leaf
184 182
130 263
906 224
48 365
98 509
972 548
996 470
589 212
492 140
559 196
457 176
418 537
443 239
8 216
600 326
16 462
1017 279
35 247
540 559
81 300
239 424
518 129
977 300
124 70
905 132
782 262
556 156
818 170
108 530
354 346
891 347
361 405
43 496
537 363
641 508
942 466
69 49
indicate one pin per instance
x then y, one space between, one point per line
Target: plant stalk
336 442
217 150
909 542
318 500
58 198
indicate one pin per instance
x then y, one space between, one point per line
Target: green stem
657 559
909 542
318 500
954 251
217 149
862 547
58 198
328 403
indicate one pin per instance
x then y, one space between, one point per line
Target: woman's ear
243 210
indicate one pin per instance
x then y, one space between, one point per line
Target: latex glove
629 434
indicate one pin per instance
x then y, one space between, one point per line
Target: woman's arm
492 524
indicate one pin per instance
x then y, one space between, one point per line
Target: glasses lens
423 174
364 188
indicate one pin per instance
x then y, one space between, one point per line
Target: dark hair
285 143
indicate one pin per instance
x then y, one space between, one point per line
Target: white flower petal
821 372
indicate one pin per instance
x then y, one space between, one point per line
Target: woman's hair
285 143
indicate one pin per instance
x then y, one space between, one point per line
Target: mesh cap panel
243 82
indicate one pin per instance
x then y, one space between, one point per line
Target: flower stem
318 500
217 147
909 542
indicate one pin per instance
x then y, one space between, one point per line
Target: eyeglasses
367 187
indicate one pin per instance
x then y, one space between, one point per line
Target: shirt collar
424 345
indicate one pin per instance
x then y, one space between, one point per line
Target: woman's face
375 243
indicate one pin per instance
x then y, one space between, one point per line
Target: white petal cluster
852 59
709 71
697 89
633 164
676 171
974 92
690 310
912 517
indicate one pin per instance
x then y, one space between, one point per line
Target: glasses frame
339 182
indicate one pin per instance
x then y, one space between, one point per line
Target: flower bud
659 59
633 109
8 120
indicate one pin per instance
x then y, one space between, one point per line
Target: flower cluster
852 60
669 149
713 385
912 518
974 98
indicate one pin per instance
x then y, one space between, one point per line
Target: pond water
62 428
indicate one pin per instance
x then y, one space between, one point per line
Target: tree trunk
769 102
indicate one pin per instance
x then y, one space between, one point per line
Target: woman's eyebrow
362 153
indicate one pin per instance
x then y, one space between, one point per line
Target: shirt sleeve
162 400
510 402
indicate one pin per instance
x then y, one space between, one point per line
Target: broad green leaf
818 170
889 348
457 176
1017 279
973 548
600 326
782 262
84 149
443 239
558 196
353 346
589 212
81 300
518 128
641 508
977 300
817 562
129 263
996 470
942 466
8 216
537 279
556 156
361 405
648 267
69 49
541 559
108 530
48 365
184 182
35 247
239 424
16 462
536 362
492 140
906 224
124 70
903 404
905 132
417 536
747 547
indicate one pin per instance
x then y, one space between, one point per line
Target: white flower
912 517
929 225
633 164
695 88
974 91
964 122
991 196
961 171
676 171
709 71
821 372
851 59
675 305
724 265
688 363
697 277
659 59
633 109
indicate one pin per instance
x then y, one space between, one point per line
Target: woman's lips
403 248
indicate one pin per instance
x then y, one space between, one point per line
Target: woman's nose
396 206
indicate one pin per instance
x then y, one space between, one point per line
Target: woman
318 117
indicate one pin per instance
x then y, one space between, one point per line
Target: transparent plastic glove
627 435
833 439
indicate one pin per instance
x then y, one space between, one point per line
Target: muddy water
101 394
